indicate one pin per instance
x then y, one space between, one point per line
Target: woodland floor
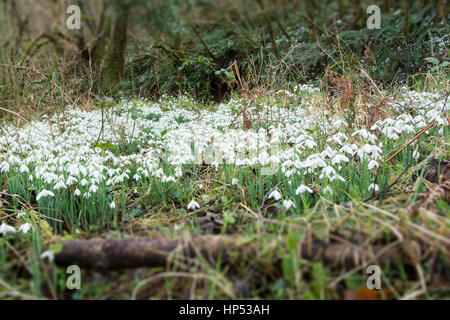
276 195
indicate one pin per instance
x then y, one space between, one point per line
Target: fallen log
111 254
107 254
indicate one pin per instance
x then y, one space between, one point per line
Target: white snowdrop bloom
73 170
84 182
234 181
408 128
49 254
393 136
338 158
347 149
77 192
43 194
302 188
25 228
373 164
60 185
137 177
200 186
337 176
310 143
5 229
374 187
83 171
275 194
193 205
23 168
328 190
178 172
21 215
93 188
288 204
4 167
112 205
329 171
416 154
71 180
168 179
338 137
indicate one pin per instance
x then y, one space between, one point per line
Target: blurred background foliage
149 48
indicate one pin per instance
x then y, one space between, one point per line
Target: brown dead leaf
364 293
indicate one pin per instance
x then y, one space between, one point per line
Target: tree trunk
310 19
407 16
115 67
387 5
113 254
342 8
359 20
441 15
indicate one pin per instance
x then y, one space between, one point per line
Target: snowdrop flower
339 158
112 205
4 167
21 215
374 187
43 194
60 185
5 229
328 190
337 176
310 144
71 180
347 149
373 164
178 172
234 181
77 192
416 154
168 179
193 205
275 195
93 188
302 188
288 204
49 254
23 168
25 227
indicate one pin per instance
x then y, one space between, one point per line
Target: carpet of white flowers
80 170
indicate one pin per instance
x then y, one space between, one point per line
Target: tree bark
342 8
309 5
407 18
101 254
115 67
